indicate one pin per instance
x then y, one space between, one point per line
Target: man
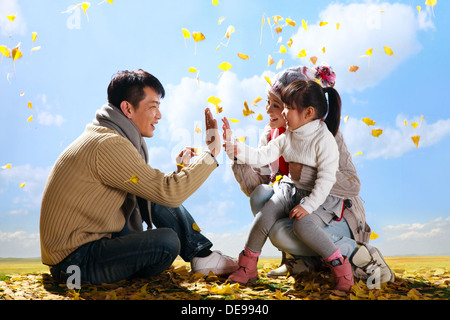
101 189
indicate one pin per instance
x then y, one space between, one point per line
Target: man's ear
126 108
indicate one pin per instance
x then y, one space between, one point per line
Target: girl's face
274 109
297 117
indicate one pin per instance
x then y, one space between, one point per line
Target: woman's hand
295 170
185 157
230 148
298 213
212 133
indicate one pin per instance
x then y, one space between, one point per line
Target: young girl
311 124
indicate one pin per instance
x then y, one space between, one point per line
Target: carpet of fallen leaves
178 283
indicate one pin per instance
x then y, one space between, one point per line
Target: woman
351 233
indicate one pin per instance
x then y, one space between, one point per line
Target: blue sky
404 188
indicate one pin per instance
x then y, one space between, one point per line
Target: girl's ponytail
333 117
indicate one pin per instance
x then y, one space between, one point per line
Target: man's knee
166 239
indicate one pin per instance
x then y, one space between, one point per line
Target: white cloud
362 26
7 27
34 179
394 141
19 244
48 119
429 238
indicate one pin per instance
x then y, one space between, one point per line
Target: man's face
146 115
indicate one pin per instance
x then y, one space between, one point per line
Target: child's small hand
298 212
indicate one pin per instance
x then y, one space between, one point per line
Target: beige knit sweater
89 182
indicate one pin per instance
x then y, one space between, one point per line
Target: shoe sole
249 282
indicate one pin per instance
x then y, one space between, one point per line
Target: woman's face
274 108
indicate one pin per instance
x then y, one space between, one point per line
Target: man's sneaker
371 260
291 266
216 262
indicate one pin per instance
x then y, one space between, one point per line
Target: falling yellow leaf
416 139
406 123
388 51
225 66
85 6
16 53
431 3
11 17
369 51
243 56
278 29
368 121
323 49
186 33
323 23
282 49
198 36
277 18
419 8
195 227
30 119
377 132
302 54
259 117
5 51
197 129
221 19
346 118
34 36
214 100
277 178
7 166
289 43
353 68
36 48
242 139
258 99
230 30
133 179
270 60
313 60
247 110
358 153
373 236
304 25
192 70
234 120
290 22
414 124
22 185
30 105
215 2
280 64
268 80
337 26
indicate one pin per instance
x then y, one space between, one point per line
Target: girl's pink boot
248 268
342 271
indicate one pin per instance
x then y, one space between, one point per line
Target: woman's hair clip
326 75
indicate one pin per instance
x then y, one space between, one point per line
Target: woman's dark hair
305 93
129 86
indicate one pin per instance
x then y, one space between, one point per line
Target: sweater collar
308 128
